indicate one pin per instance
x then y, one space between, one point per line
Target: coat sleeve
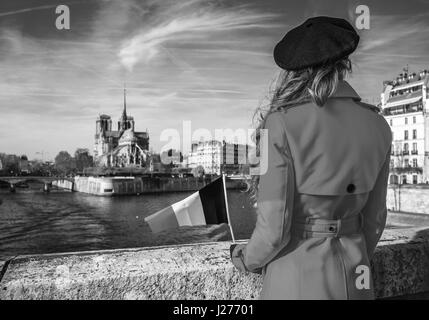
275 198
375 210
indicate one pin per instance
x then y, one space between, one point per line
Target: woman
322 201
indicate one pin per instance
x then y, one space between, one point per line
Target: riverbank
197 271
123 185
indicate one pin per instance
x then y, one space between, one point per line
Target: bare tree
397 167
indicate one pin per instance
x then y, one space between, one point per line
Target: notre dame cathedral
121 148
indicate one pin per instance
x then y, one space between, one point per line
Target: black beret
317 41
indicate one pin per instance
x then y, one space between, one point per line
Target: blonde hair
293 88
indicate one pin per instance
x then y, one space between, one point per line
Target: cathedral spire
124 113
123 123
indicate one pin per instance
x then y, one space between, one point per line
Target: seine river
34 222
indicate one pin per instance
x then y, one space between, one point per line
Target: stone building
405 106
122 148
217 157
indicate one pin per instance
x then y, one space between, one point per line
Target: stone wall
408 198
108 186
196 271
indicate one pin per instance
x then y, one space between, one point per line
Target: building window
414 148
406 135
391 122
407 163
404 179
406 150
406 120
393 179
414 119
414 134
414 179
415 163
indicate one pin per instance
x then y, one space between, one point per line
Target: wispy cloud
185 57
393 41
191 21
394 32
208 61
14 12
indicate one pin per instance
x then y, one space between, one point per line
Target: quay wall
63 184
109 186
197 271
408 198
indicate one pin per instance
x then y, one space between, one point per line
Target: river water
33 222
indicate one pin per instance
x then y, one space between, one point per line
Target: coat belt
326 228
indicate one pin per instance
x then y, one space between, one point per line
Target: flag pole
227 209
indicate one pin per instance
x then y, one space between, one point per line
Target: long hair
293 88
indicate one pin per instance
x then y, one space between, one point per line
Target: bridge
46 181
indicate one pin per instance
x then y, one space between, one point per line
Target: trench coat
321 207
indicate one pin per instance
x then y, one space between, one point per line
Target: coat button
351 188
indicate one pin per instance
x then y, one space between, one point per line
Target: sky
205 61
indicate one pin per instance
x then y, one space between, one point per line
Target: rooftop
128 136
404 80
408 97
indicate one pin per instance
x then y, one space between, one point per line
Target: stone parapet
195 271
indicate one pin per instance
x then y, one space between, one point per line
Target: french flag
209 205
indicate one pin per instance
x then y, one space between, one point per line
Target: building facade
121 148
217 157
405 106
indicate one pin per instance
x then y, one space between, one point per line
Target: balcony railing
405 152
414 152
406 169
402 109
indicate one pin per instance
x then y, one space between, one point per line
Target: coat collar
345 90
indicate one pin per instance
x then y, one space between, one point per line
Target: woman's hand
236 252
